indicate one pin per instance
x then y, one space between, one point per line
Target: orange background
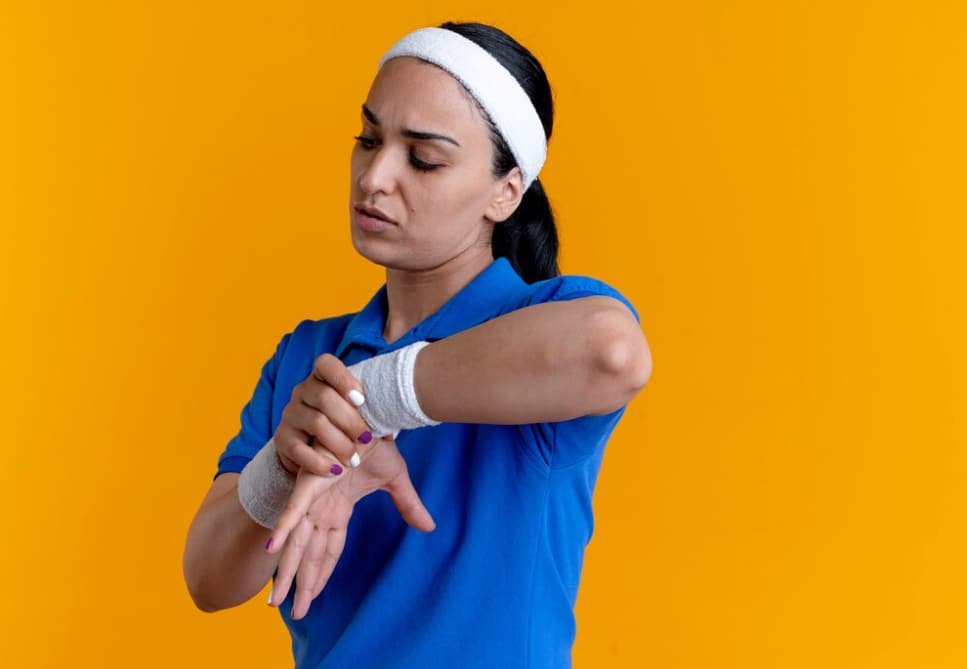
779 188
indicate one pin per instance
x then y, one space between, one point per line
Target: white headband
490 83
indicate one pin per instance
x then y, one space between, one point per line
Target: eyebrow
407 132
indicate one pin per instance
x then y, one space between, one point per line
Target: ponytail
528 239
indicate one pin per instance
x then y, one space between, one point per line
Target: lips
375 212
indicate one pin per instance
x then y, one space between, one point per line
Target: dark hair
528 238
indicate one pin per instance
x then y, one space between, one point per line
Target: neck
414 295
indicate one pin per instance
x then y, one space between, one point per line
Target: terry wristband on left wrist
264 486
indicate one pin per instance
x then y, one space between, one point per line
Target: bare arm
225 561
227 558
548 362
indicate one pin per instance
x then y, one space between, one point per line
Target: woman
490 382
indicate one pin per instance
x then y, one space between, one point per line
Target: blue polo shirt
494 586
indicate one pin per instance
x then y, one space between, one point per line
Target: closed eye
421 165
368 143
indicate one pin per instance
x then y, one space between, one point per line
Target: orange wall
779 187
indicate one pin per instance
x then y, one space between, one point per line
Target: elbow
199 595
203 599
208 598
204 606
201 589
621 358
626 363
213 591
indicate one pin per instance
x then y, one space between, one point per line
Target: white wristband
264 486
391 403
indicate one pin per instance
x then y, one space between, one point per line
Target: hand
320 411
313 526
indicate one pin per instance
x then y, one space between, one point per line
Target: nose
379 171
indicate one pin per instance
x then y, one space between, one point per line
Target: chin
397 255
384 255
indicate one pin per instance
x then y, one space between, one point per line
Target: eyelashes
368 143
365 142
420 165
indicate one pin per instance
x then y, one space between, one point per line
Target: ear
508 192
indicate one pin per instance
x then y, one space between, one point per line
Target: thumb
409 504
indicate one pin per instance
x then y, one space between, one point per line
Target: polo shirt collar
483 298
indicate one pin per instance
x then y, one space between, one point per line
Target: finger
333 421
292 445
309 568
334 548
289 562
409 504
330 370
332 418
301 498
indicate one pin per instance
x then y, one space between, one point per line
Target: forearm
225 562
549 362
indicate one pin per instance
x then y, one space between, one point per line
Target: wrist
388 383
264 486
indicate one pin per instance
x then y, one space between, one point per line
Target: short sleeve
256 417
569 442
571 287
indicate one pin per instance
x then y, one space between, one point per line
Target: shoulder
313 336
323 328
307 339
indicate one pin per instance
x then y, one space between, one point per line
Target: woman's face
423 160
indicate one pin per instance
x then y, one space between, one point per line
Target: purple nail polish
366 437
335 470
268 544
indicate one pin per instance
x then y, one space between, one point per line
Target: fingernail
356 398
355 460
271 592
268 544
335 470
365 437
